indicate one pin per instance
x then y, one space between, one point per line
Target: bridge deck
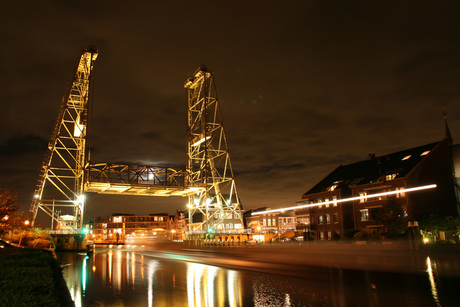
130 179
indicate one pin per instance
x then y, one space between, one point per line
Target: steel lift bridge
208 181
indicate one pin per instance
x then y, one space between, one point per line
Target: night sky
303 86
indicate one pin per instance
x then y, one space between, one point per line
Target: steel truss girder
131 179
62 174
208 159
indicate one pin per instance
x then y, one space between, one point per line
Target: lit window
406 157
362 194
364 214
320 219
328 218
332 188
326 200
329 235
334 199
321 235
425 153
391 176
401 194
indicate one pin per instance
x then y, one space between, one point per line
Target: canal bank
31 277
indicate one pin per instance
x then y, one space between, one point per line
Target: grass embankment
31 278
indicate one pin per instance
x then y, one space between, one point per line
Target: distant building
423 165
267 222
287 221
178 225
119 227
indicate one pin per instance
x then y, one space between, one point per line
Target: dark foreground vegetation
31 277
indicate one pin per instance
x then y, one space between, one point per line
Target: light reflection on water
131 277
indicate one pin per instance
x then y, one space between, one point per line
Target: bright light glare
201 141
424 187
425 240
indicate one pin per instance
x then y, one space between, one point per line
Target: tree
434 224
8 207
391 216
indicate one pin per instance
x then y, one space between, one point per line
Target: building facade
119 228
419 166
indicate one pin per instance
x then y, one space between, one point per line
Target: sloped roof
370 170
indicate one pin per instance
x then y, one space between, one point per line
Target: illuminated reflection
118 270
434 291
83 275
265 294
133 267
208 286
122 277
151 272
109 263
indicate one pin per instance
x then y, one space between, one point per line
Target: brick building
423 165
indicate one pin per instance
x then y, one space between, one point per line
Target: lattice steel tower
59 192
208 160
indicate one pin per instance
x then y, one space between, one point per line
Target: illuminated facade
120 228
423 165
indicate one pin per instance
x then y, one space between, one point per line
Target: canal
142 276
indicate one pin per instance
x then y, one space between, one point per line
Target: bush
361 236
349 234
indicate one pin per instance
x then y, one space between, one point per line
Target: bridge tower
60 187
218 207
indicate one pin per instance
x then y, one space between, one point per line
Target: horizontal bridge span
133 179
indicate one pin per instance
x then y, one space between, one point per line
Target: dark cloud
22 145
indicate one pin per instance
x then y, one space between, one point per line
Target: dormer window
425 153
406 157
332 187
391 176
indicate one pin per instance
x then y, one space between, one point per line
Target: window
401 194
326 200
390 176
269 222
425 153
321 235
362 194
319 200
335 217
264 222
305 220
364 214
329 235
320 219
406 157
328 218
117 219
334 199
